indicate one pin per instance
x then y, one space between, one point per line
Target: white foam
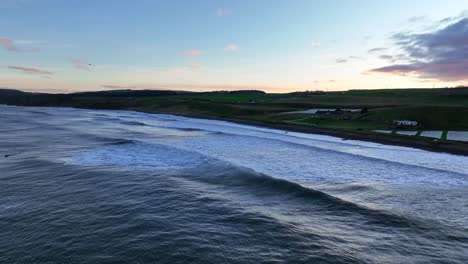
140 156
404 155
295 156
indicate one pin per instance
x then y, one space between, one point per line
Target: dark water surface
83 186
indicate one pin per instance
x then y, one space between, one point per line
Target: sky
277 46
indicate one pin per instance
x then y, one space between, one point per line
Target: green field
359 125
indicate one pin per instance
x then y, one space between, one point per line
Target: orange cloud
231 47
192 52
12 45
8 44
30 70
110 86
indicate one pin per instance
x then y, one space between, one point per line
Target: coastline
457 148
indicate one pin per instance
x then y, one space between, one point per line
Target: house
405 123
336 114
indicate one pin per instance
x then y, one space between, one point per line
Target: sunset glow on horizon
282 46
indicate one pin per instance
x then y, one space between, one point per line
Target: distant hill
11 92
152 93
5 92
132 93
17 97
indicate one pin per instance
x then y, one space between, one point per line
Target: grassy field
384 98
358 125
234 98
429 118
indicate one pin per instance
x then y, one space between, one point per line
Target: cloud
386 57
441 55
462 15
15 45
80 65
355 58
8 44
416 19
315 44
30 70
340 60
25 42
400 69
231 47
110 86
192 52
221 12
376 50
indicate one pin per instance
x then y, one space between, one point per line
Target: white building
405 123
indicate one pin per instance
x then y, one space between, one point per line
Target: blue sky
278 46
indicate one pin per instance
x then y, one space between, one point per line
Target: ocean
103 186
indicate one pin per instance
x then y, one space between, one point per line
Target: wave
186 129
133 123
121 141
237 151
352 188
102 118
403 155
135 154
40 112
264 185
238 182
294 201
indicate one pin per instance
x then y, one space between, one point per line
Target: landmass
437 119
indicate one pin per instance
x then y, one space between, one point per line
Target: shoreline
456 148
394 140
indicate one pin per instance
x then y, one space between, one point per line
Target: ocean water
88 186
